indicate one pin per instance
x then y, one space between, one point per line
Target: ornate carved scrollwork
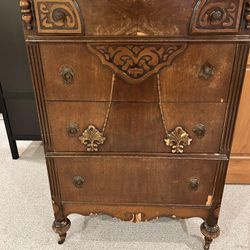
137 62
27 17
92 137
57 16
134 217
216 16
178 139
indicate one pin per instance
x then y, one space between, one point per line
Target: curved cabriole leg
61 228
210 234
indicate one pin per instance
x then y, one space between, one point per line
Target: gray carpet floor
26 215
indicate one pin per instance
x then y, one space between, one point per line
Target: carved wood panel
216 16
136 16
137 62
58 16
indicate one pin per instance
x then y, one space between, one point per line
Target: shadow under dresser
137 101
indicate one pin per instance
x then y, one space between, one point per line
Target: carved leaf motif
178 139
216 16
92 137
137 62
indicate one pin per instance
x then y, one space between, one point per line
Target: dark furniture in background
17 97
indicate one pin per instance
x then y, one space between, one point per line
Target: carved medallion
178 139
137 62
57 16
92 137
216 16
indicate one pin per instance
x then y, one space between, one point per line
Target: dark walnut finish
137 104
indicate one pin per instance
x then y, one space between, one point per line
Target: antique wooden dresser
137 102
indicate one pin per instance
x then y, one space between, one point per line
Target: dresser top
136 19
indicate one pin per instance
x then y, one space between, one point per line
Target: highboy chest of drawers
137 101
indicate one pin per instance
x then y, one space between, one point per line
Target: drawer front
191 73
136 180
136 18
135 127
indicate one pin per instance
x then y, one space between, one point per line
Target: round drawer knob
216 15
199 130
67 74
194 183
59 15
207 71
78 181
72 129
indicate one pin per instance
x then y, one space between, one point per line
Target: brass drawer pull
59 15
78 181
194 183
216 16
67 74
199 130
207 71
72 129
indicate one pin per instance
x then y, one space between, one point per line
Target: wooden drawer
137 18
135 127
135 180
93 81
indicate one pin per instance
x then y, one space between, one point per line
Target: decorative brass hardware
247 15
199 130
72 129
207 71
27 17
78 181
59 15
216 15
178 139
194 183
67 74
92 137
